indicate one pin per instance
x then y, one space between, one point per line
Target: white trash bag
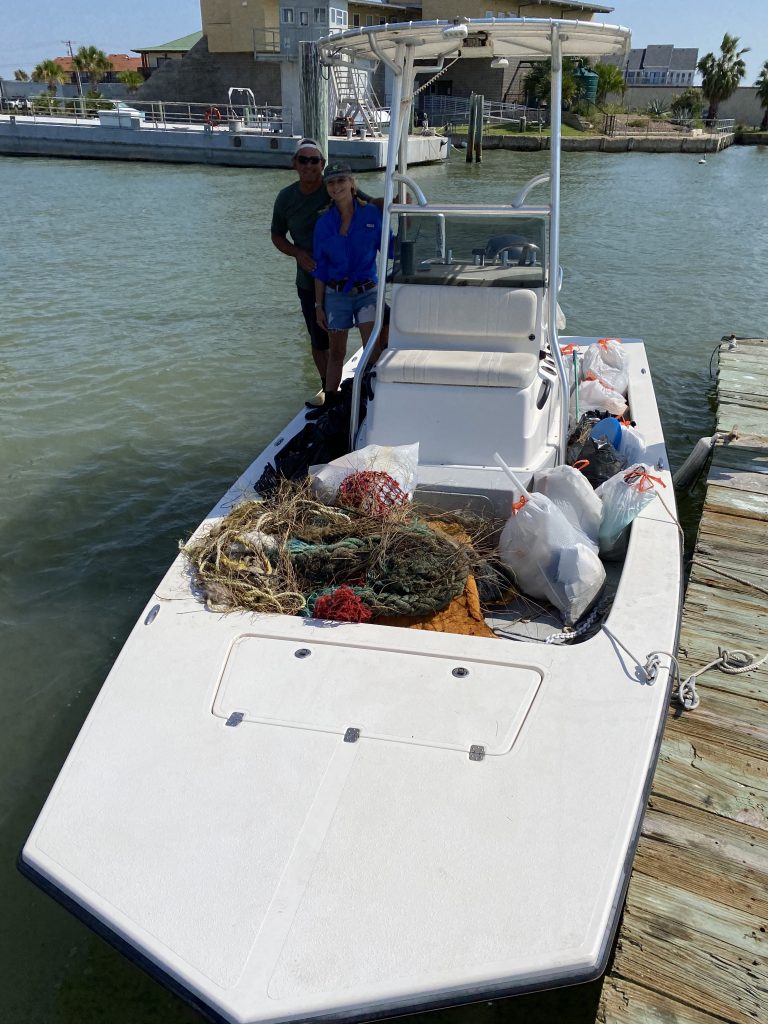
551 558
400 462
607 360
631 445
624 496
573 494
597 393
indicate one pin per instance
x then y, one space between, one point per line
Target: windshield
487 252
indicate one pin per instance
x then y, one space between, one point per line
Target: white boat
290 822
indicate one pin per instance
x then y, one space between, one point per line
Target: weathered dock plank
626 1003
693 945
708 955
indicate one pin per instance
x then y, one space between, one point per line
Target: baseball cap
309 144
337 170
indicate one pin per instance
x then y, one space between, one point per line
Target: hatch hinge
235 718
476 752
352 735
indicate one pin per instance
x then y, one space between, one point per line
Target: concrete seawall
607 144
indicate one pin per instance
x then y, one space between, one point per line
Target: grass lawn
566 131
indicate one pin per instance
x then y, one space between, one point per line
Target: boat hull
219 818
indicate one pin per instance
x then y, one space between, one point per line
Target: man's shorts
344 310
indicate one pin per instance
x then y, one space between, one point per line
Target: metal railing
619 125
266 40
455 110
265 118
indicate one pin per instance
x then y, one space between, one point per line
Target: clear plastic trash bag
574 496
631 445
551 558
624 496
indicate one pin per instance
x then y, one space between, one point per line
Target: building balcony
266 40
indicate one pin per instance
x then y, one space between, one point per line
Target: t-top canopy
479 37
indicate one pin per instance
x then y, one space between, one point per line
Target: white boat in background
291 822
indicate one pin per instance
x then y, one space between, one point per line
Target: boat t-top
292 818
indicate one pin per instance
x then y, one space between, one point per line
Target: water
150 345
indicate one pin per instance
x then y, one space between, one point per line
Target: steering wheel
518 244
529 252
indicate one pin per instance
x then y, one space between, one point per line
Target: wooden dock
693 943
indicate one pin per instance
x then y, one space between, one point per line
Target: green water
150 345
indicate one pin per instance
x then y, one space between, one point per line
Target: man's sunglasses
309 159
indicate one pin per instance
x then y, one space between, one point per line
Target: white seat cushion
473 369
448 317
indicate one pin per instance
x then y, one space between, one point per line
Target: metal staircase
352 96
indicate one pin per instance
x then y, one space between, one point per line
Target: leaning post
478 140
470 128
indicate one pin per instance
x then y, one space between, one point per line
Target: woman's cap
337 170
308 144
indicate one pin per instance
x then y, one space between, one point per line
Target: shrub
687 104
657 108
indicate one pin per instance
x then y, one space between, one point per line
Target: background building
661 65
255 44
154 57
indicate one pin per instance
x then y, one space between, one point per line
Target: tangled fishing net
371 491
376 556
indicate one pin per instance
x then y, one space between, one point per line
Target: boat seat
439 317
473 369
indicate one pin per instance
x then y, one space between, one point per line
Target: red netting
372 491
343 605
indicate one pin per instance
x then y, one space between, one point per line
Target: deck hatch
390 695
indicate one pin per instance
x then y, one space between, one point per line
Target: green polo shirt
296 213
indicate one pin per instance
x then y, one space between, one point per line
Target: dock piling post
478 138
470 128
313 91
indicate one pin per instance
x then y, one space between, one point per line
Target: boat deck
693 943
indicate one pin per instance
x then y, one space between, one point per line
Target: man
295 212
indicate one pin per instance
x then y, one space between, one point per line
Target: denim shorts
343 310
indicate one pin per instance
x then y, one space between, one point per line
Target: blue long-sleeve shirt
352 257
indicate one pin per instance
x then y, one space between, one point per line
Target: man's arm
302 257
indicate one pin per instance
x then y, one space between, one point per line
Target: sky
700 23
33 30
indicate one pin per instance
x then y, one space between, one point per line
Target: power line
68 43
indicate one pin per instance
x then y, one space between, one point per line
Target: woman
346 244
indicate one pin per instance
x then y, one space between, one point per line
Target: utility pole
68 43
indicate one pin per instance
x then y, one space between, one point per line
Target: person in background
346 243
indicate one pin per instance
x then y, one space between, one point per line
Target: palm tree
720 76
537 81
92 62
762 94
610 80
20 75
51 73
132 80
